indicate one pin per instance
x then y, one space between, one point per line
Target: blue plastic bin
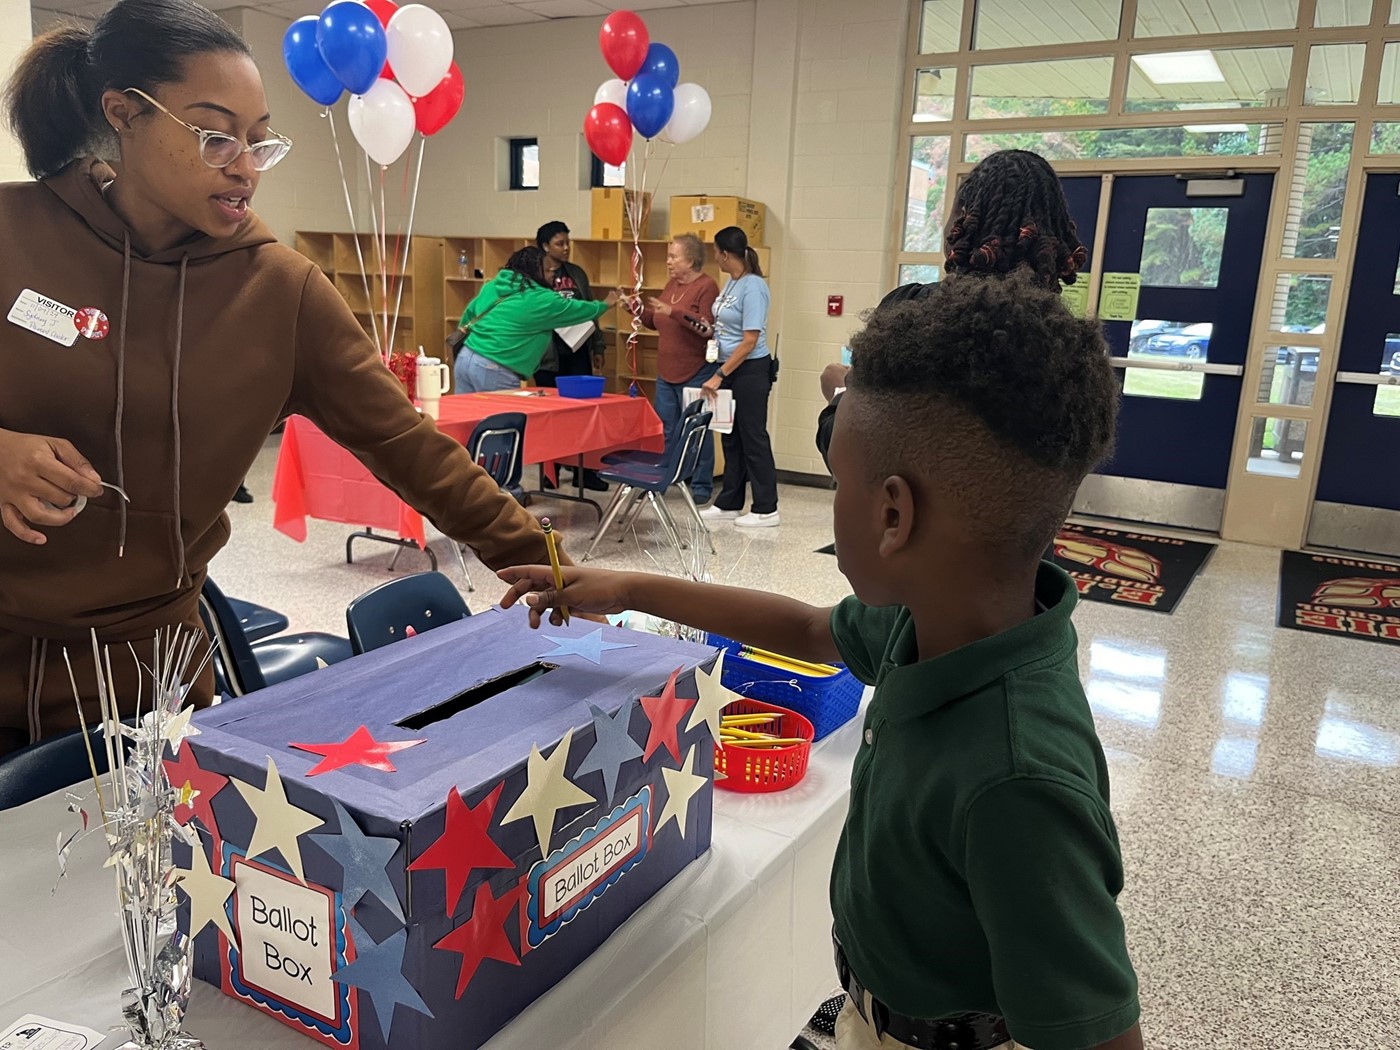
581 387
827 702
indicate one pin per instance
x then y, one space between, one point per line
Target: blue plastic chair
48 766
638 482
258 621
383 615
673 439
497 444
242 667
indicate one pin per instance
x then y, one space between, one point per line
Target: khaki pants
853 1032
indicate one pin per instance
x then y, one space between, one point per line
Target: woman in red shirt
682 316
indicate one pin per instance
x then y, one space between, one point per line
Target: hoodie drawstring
121 386
175 414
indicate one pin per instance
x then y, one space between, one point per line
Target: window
1324 158
1276 447
1181 247
1390 74
1192 141
1167 342
1177 80
924 196
1015 23
1175 18
1385 138
1334 73
1300 303
606 175
940 22
933 95
524 164
1065 87
1333 13
1290 374
918 273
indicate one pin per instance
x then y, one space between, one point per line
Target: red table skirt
317 478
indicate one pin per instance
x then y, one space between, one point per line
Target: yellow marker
554 563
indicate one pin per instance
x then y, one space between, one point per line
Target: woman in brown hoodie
158 333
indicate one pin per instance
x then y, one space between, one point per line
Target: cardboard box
477 918
610 222
706 216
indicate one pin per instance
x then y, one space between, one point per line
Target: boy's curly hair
991 391
1010 214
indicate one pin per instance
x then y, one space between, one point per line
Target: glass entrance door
1196 246
1357 506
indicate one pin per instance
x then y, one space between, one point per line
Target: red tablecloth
317 478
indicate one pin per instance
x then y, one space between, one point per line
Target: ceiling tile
565 8
498 14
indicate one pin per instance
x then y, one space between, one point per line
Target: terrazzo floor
1254 770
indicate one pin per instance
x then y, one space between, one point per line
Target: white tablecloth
734 953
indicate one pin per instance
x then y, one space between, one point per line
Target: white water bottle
711 351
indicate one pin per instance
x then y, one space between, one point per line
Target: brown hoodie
211 343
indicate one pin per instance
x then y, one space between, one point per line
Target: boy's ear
896 515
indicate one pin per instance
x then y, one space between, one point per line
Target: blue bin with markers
827 701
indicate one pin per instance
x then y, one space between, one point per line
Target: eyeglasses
219 150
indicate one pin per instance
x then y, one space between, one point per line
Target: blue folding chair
385 614
497 445
644 482
242 667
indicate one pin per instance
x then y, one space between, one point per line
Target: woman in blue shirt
745 367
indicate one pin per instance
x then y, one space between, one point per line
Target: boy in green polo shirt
974 885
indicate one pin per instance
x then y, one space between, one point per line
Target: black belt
955 1032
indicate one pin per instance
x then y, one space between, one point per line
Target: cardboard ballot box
706 216
405 850
610 219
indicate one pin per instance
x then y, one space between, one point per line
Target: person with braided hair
1010 215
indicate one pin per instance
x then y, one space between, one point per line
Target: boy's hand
585 591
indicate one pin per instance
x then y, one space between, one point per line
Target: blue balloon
650 101
662 61
305 64
353 44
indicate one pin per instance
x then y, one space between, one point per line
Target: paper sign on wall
1118 299
1076 296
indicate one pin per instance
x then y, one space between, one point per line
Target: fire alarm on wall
834 304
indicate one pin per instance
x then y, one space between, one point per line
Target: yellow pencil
554 563
788 663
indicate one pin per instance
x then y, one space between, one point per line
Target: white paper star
278 823
681 786
208 893
714 698
547 791
178 727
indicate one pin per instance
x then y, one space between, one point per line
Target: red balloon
609 133
435 109
383 10
624 41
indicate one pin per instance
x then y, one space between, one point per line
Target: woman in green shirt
512 321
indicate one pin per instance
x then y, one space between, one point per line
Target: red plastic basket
752 769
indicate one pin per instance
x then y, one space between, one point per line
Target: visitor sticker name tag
46 317
32 1032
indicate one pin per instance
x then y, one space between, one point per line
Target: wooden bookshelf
420 276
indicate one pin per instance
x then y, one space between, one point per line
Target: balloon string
408 240
384 255
354 232
379 258
632 201
396 279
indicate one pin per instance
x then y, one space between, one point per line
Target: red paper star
483 936
184 769
665 713
358 749
465 844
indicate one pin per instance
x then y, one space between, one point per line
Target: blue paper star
589 646
614 747
378 971
362 858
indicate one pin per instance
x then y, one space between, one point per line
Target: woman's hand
40 481
710 388
662 308
596 591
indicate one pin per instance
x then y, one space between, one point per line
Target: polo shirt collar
909 689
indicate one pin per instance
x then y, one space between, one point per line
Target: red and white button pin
92 323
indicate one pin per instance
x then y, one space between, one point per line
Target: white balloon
690 116
420 48
614 91
382 121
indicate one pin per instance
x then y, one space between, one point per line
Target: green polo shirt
979 865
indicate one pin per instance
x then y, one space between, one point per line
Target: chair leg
660 508
695 513
613 508
629 518
394 561
462 561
